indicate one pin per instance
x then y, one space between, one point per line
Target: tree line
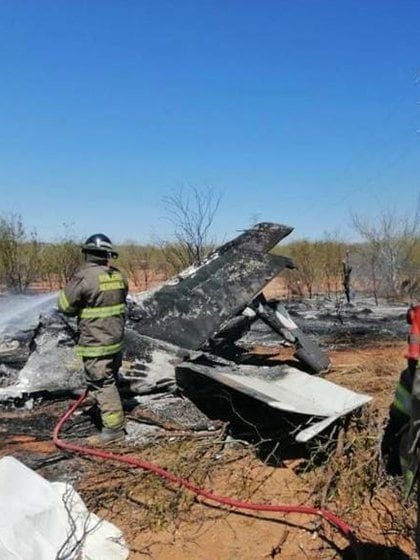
384 263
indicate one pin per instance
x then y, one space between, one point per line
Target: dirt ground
163 522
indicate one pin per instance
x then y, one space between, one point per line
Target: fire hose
184 483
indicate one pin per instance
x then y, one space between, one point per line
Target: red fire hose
138 463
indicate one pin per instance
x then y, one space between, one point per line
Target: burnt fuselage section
193 307
211 305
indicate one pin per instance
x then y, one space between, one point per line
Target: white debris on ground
48 521
50 366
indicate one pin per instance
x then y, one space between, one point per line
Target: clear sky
298 111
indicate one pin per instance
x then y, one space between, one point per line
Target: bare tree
137 262
390 243
70 256
305 255
61 259
191 211
410 284
330 256
19 253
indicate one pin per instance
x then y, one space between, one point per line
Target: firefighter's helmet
99 243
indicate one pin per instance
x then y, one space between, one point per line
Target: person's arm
70 299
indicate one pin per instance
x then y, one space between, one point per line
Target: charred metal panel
150 364
260 238
277 317
192 310
282 388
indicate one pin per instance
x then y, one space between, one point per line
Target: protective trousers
101 378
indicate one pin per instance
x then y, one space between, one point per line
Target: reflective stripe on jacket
96 295
402 396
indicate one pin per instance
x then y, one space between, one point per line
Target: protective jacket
96 295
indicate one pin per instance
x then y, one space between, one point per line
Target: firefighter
401 442
96 295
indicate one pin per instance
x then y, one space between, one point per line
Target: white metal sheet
289 389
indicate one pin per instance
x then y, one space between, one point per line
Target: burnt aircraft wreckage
185 337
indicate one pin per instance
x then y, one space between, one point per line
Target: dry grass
343 473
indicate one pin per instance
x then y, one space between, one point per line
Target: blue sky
297 111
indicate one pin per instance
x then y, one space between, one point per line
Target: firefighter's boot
112 431
106 437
